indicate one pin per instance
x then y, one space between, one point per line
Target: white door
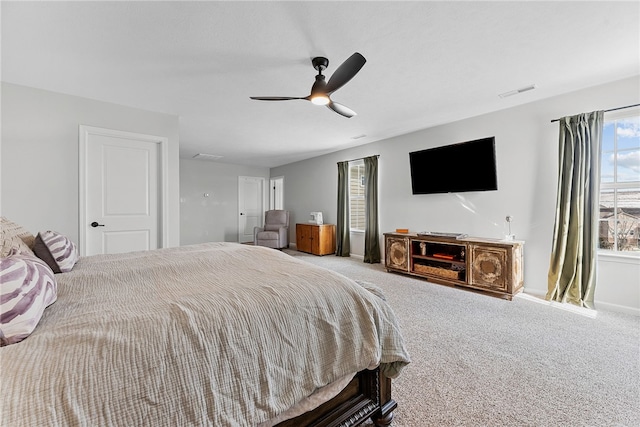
276 193
120 191
250 206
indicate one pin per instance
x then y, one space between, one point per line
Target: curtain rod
361 158
611 109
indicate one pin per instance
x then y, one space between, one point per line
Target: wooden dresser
316 239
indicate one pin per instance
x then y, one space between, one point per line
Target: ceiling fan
321 90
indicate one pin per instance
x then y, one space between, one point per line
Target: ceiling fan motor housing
319 84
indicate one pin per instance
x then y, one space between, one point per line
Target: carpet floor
478 360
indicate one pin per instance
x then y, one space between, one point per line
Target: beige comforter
217 334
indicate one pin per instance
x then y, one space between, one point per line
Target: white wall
40 155
526 151
213 218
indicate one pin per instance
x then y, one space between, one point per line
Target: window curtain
371 231
572 270
342 224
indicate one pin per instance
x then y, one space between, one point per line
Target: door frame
84 133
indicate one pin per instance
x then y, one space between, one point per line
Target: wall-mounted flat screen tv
455 168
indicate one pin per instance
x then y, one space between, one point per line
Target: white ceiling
428 63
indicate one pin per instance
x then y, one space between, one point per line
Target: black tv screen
456 168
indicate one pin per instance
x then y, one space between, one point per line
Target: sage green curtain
371 230
572 270
342 224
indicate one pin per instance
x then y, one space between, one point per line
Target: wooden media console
489 265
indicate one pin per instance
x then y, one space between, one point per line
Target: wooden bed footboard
368 395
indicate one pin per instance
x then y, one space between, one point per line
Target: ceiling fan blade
274 98
345 72
341 109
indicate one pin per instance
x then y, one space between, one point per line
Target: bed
216 334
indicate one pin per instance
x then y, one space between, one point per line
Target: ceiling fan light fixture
320 99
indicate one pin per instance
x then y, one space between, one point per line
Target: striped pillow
28 287
60 253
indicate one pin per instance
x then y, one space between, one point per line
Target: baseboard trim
567 307
618 308
293 246
538 296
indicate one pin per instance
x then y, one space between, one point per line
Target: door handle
94 224
241 213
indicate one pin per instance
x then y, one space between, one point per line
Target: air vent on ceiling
517 91
204 156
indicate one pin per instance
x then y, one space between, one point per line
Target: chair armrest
256 230
283 236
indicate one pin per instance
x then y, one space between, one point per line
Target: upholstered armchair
275 233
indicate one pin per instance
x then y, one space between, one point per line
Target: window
619 226
356 196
